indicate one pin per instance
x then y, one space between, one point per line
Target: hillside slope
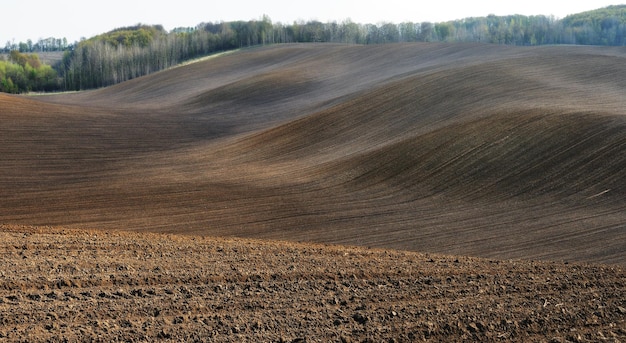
460 149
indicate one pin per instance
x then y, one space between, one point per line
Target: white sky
73 19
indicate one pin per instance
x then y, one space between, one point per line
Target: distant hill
606 17
138 35
604 26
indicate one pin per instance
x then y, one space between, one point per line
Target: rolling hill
465 149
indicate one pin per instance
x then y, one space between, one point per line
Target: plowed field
450 169
460 149
94 286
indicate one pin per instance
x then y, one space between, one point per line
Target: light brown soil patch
85 286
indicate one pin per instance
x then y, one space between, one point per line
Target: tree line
130 52
25 73
49 44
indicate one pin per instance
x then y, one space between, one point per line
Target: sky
74 19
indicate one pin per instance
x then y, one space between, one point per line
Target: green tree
25 73
426 32
444 31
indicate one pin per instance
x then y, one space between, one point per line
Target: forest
131 52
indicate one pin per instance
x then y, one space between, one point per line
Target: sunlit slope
462 149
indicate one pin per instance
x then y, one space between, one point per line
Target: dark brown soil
102 286
478 150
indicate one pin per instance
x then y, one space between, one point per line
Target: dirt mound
482 150
61 284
